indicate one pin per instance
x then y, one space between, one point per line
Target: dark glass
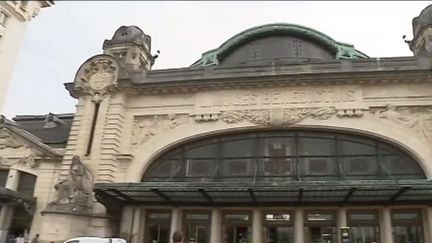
197 227
26 183
407 233
360 166
363 227
284 155
279 234
237 234
320 234
200 167
158 227
3 177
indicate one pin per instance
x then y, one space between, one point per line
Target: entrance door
237 228
158 226
196 226
320 227
278 227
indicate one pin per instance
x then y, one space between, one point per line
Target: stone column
143 225
298 226
6 212
427 224
216 226
126 223
257 223
176 221
385 225
136 224
341 222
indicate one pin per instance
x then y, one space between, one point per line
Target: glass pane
360 166
277 147
3 177
237 234
407 234
159 233
362 216
279 234
204 151
197 234
347 147
160 215
364 234
406 216
320 234
26 183
237 167
165 168
394 165
278 166
316 146
318 166
197 216
239 148
200 167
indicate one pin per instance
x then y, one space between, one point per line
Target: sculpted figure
77 186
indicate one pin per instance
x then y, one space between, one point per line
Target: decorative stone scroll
418 119
29 161
97 77
278 116
146 127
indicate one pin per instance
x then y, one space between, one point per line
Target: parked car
95 240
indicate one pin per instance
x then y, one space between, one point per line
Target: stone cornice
361 71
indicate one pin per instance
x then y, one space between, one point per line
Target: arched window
284 155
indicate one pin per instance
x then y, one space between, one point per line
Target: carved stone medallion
97 77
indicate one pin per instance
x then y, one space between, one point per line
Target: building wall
12 35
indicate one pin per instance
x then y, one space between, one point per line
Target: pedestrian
177 237
35 239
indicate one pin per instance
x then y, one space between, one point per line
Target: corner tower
131 47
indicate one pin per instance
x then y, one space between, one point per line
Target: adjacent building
279 135
14 16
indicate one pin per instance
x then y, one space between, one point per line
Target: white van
95 240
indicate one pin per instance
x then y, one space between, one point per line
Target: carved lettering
305 96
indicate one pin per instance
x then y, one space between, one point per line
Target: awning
11 197
285 193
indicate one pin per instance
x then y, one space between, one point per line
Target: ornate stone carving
97 77
148 126
416 118
7 140
278 116
29 161
76 190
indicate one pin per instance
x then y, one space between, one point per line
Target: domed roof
128 34
278 41
424 19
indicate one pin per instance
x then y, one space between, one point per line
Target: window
284 155
4 17
407 226
197 226
278 227
364 226
3 177
27 183
158 226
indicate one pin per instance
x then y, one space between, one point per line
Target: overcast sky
63 36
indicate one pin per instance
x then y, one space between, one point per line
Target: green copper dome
335 49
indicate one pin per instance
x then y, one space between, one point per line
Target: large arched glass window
284 155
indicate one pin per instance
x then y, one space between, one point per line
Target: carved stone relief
278 116
417 118
97 78
14 151
146 127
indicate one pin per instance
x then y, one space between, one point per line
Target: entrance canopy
293 193
10 197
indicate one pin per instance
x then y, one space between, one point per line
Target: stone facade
13 18
127 116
